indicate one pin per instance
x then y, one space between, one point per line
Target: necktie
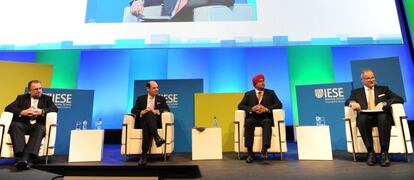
371 100
151 102
181 4
259 96
34 104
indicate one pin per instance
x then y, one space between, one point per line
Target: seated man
29 116
147 112
374 97
258 105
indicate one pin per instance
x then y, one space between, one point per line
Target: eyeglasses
36 89
370 78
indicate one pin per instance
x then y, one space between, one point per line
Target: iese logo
171 98
61 98
329 93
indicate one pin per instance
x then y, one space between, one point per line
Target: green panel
409 10
308 65
65 67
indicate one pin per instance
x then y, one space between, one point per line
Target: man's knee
267 121
383 117
39 128
149 115
249 122
16 126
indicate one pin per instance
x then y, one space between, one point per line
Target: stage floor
342 167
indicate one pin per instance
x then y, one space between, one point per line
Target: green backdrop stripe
65 67
308 65
409 10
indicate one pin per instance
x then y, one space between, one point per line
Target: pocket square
381 95
158 103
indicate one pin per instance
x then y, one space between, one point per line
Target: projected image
170 11
123 24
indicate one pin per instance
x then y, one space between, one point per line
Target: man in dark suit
29 116
374 97
147 112
258 105
184 11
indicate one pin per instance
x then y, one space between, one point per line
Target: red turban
257 78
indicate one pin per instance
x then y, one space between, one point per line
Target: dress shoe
22 165
249 159
142 161
263 154
159 141
385 160
371 159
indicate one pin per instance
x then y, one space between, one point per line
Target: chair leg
405 141
280 141
352 139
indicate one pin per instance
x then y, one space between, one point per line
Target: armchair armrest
167 117
129 120
240 115
278 116
50 137
6 119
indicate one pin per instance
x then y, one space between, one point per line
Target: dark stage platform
182 167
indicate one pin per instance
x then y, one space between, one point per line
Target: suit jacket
141 104
381 94
23 102
269 100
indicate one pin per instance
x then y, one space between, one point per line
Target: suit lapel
157 99
28 101
377 91
255 99
363 102
144 101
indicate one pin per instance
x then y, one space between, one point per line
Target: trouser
366 122
149 130
250 124
17 132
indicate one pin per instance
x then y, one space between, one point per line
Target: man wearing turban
258 105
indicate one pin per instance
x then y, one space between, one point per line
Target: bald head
152 88
368 78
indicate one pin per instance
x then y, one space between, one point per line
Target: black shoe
22 165
385 160
142 161
250 158
371 159
159 141
263 154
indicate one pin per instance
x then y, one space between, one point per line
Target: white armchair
278 142
132 138
400 142
48 143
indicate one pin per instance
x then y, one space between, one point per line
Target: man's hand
143 112
259 109
355 106
154 111
27 112
31 112
379 106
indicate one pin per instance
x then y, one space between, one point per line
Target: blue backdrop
387 72
73 105
326 100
